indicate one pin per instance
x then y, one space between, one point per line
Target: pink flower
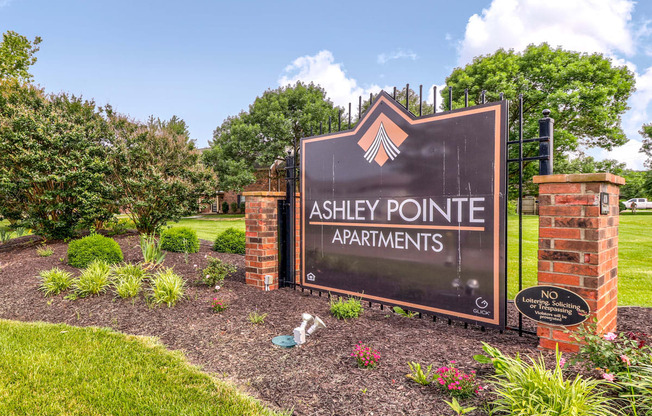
562 362
625 359
610 336
608 377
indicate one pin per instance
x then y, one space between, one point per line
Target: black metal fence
287 266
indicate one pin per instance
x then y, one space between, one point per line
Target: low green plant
44 251
366 356
55 281
218 306
230 241
403 312
94 279
128 279
416 374
225 207
93 247
216 271
458 408
531 389
604 351
180 240
118 226
351 308
256 318
167 287
234 207
5 234
153 255
636 388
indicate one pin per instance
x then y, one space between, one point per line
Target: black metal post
290 198
394 93
546 126
450 98
329 124
466 97
482 97
359 107
420 100
434 100
339 119
349 116
407 97
520 207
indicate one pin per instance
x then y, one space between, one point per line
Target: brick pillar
261 222
578 247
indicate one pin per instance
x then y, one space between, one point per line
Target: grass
94 279
207 228
167 287
634 262
48 369
55 281
128 279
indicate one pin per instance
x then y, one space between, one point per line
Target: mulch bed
319 378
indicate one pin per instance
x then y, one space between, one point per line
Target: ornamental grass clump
450 380
153 254
128 280
94 279
55 281
167 287
366 357
531 389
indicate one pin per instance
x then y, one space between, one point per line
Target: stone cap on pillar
263 193
580 178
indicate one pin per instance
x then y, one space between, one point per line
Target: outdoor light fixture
317 323
300 331
268 281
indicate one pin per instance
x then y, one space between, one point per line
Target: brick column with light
578 247
261 222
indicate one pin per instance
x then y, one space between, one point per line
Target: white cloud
383 58
323 70
627 153
581 25
639 103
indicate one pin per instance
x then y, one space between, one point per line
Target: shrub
621 206
167 287
153 255
117 226
55 281
94 279
225 207
218 306
604 352
180 240
366 357
128 280
216 271
44 251
351 308
234 207
452 381
94 247
256 318
531 389
230 241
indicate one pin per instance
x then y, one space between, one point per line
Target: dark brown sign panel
409 211
552 305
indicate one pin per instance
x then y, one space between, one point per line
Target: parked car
641 203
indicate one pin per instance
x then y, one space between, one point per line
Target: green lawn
634 262
48 369
209 226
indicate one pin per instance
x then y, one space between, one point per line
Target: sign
409 211
552 305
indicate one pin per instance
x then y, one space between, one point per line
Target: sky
207 60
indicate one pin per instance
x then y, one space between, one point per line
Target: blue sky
206 60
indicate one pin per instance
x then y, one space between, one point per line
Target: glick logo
382 140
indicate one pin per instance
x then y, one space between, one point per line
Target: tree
53 175
274 124
17 55
587 95
588 164
426 108
646 147
156 170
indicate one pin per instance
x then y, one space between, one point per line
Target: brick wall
578 247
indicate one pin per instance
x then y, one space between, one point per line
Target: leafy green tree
588 164
275 123
634 185
17 55
646 147
587 95
156 170
53 175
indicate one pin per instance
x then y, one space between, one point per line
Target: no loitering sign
409 211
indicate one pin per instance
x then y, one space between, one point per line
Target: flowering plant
451 380
367 357
605 353
218 306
